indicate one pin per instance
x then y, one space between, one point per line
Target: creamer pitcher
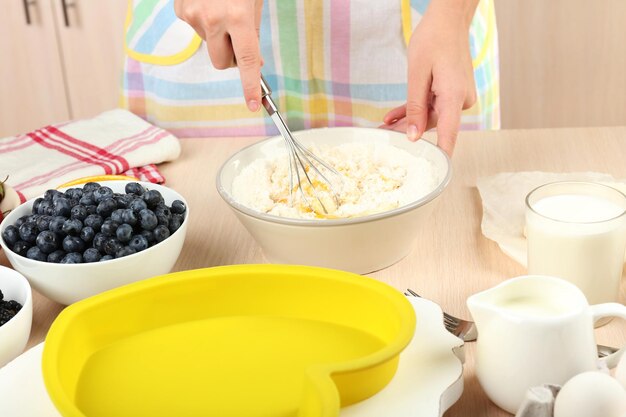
534 330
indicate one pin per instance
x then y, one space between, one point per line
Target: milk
581 238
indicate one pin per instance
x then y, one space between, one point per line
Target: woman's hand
440 74
231 31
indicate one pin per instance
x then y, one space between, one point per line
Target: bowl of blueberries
77 242
16 313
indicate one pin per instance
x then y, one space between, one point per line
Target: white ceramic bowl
362 244
14 333
68 283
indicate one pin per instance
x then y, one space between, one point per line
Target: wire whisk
301 160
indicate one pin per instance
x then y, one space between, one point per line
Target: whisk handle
266 99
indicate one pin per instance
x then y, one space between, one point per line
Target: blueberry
116 216
87 234
109 227
43 223
49 194
138 243
147 219
149 236
47 242
73 244
102 194
125 251
21 221
74 193
45 207
72 227
36 204
36 254
152 198
123 200
163 214
106 207
87 200
98 241
11 235
111 246
137 205
129 217
178 207
56 256
161 233
106 258
21 247
92 209
94 221
175 222
72 258
134 188
91 255
90 187
56 224
78 212
62 207
124 233
33 218
28 232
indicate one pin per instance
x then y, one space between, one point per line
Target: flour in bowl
375 178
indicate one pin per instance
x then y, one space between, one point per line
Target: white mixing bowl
360 244
14 333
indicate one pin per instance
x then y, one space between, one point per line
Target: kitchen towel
503 198
114 142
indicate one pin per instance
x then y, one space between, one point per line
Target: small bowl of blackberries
16 314
77 242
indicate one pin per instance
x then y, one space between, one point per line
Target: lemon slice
97 178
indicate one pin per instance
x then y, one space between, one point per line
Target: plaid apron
329 62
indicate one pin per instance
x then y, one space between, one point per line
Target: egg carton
539 401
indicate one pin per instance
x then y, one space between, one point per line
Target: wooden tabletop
451 258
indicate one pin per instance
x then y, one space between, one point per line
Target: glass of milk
577 231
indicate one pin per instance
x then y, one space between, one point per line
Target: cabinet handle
27 4
66 18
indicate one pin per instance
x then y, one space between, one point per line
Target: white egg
620 371
591 394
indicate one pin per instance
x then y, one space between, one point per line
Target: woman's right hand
231 31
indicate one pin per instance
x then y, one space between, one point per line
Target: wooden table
451 259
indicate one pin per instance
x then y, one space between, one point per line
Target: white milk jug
534 330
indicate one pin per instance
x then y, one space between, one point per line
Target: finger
449 119
395 114
246 47
257 24
221 50
419 82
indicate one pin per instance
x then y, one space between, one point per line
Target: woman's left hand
440 74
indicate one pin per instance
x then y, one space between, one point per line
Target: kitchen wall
562 62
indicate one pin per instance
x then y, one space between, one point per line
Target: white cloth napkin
503 197
113 142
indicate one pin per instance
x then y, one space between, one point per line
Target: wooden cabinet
59 60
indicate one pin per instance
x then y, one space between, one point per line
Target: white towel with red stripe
115 142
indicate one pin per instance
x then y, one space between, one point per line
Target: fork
466 330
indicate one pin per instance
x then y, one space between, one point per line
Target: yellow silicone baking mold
234 341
